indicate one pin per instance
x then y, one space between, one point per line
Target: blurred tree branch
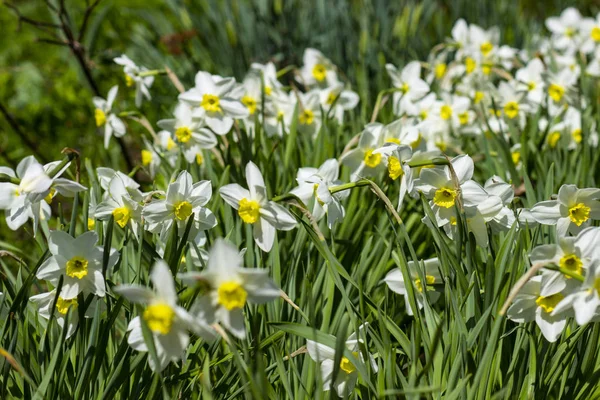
62 34
17 128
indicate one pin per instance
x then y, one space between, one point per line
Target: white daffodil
314 184
133 77
106 175
512 104
44 302
583 301
347 373
565 29
309 113
168 322
79 261
362 161
460 37
122 203
559 84
254 208
530 78
571 212
269 75
188 132
395 281
184 199
454 111
229 287
439 185
402 132
21 200
317 70
483 42
411 87
529 305
395 157
590 32
212 102
574 254
279 113
505 219
105 118
336 100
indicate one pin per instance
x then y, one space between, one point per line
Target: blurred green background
43 88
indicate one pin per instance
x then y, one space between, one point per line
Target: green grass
457 348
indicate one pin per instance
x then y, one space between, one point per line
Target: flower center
445 197
122 216
159 317
249 210
210 103
470 65
91 224
446 112
306 117
250 103
556 92
231 295
395 168
183 134
372 160
516 157
392 140
129 82
62 305
77 267
549 302
146 158
486 47
440 70
50 196
100 117
319 72
183 210
531 85
595 34
577 136
571 263
511 109
268 90
315 188
429 280
346 365
478 97
553 139
170 144
405 88
199 158
579 213
463 118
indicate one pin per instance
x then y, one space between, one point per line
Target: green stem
428 163
153 72
351 185
70 156
566 272
8 178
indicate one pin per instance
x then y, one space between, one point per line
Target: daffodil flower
79 261
530 77
168 323
347 373
505 218
336 100
571 212
254 208
565 28
529 305
309 113
112 124
184 200
395 157
229 287
44 302
395 282
583 301
511 103
314 183
122 203
212 102
279 113
133 77
317 70
362 161
188 132
574 254
411 87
